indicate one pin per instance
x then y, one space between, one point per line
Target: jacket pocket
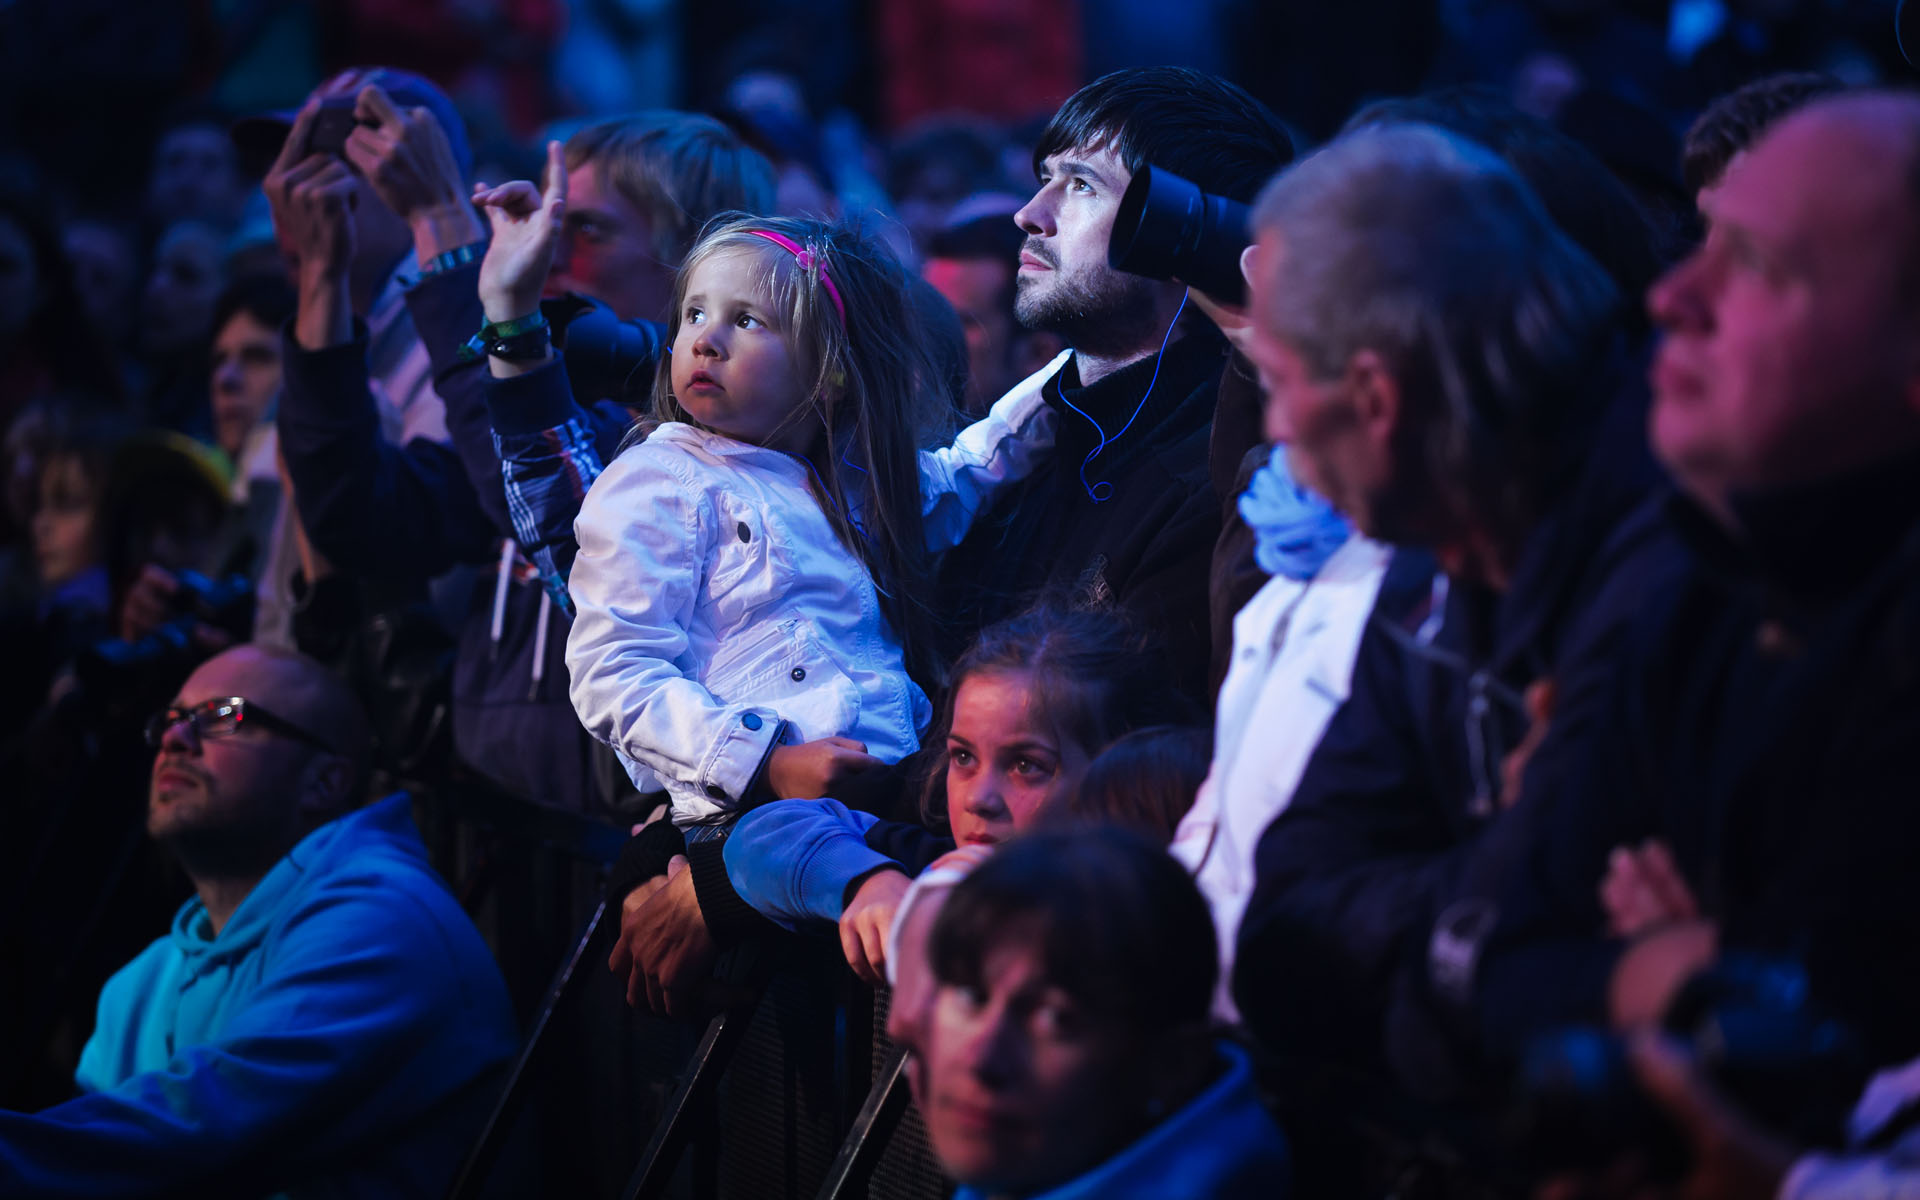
782 665
750 566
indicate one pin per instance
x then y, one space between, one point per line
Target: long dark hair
875 392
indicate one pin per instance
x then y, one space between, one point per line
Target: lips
700 379
1673 381
1030 261
175 778
978 1119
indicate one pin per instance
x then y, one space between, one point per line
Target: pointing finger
556 192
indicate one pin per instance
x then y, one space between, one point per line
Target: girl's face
64 536
1004 760
733 371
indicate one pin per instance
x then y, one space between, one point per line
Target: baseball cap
259 137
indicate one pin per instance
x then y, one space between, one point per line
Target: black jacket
405 514
1766 732
1390 810
1136 531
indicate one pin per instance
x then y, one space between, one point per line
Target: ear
1374 394
1249 263
323 788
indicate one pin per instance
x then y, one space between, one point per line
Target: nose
1675 300
984 799
226 377
706 343
1035 217
181 737
996 1053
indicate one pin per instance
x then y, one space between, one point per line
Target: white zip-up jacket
1294 646
715 602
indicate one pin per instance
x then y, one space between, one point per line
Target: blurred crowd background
142 293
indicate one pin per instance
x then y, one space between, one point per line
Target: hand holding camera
407 160
312 194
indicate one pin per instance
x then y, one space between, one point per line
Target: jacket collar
721 446
1221 1143
1138 397
388 820
1813 542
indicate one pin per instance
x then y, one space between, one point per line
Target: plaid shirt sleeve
547 476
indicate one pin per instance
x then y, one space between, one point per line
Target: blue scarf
1296 531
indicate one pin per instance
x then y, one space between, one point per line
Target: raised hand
407 160
526 228
312 198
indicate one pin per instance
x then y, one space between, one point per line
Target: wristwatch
523 339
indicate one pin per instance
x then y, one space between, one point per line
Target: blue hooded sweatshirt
342 1036
1222 1145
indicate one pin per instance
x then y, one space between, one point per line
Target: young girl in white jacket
752 576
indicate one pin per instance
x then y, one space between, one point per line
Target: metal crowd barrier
791 1090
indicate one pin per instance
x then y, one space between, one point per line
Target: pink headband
805 259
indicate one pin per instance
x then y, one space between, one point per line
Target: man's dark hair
1585 199
1736 120
268 299
1098 902
1199 126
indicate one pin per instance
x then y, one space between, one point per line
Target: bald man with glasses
323 1018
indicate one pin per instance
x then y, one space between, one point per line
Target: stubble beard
1095 310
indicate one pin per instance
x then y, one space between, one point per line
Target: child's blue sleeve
792 860
1003 447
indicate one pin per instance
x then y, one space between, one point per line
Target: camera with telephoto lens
1749 1023
145 672
1167 228
606 357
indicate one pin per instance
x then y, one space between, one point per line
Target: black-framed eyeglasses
227 715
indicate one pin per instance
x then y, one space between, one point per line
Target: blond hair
874 390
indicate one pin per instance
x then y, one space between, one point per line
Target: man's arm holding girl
1001 448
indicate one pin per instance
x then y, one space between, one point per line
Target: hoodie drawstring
540 644
500 584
